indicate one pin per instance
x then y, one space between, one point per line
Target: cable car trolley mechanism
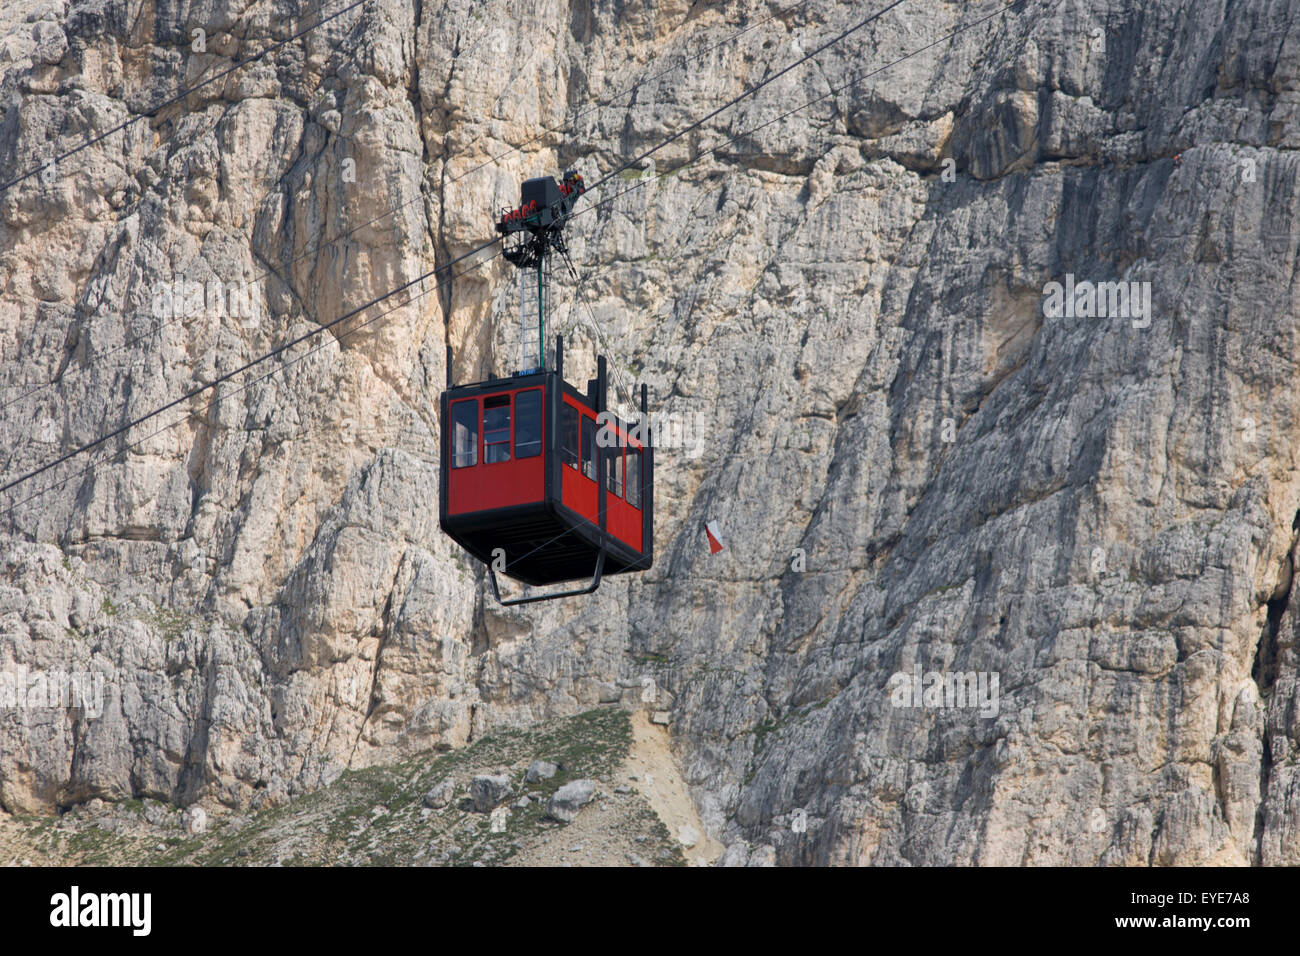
540 480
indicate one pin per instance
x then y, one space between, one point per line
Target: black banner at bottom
190 905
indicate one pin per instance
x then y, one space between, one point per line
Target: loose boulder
570 799
539 770
487 791
440 796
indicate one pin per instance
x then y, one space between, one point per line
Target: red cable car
539 480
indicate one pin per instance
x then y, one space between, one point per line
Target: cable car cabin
530 466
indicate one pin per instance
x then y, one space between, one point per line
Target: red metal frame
483 485
577 490
622 520
555 524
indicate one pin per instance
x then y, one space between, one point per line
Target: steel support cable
228 375
280 349
178 97
752 90
225 377
108 456
621 384
681 241
833 91
153 111
730 103
324 243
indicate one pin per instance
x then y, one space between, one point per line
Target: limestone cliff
921 467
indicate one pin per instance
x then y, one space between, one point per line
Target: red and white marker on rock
714 534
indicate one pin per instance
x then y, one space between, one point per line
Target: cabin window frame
532 395
460 448
590 452
632 486
570 436
497 403
614 471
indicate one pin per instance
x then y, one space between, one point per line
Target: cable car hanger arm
589 589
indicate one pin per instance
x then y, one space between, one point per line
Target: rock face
924 468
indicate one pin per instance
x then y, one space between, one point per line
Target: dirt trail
652 770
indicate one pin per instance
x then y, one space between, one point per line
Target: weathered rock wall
918 468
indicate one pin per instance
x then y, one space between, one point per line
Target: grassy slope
375 816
